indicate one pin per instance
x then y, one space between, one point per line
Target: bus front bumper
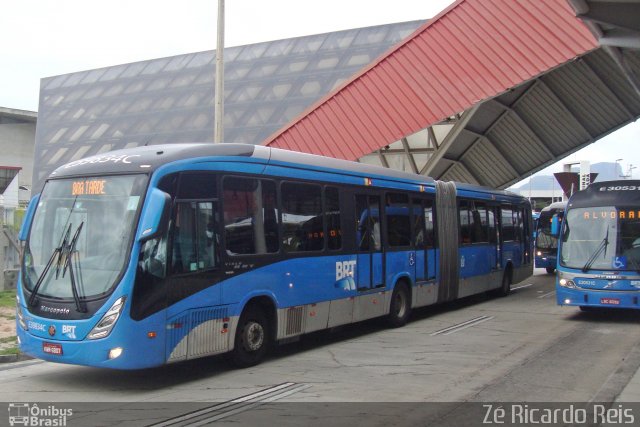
99 353
590 298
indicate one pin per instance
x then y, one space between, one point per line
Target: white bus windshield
601 238
93 218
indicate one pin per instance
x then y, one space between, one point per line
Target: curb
12 358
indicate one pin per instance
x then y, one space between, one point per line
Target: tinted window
194 240
465 228
368 223
508 232
478 222
398 222
197 186
332 215
250 216
302 227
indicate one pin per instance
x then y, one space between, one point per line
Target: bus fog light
115 352
567 301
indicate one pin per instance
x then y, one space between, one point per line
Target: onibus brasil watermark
520 413
27 414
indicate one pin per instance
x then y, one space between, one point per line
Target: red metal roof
472 51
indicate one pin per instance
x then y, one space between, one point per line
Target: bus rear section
546 243
599 248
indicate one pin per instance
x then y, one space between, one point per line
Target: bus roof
556 206
149 158
608 193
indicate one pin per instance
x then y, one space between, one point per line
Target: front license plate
55 349
610 301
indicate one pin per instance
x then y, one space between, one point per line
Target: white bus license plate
55 349
610 301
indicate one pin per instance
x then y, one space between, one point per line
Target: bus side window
508 231
194 239
397 215
302 220
478 218
491 215
250 216
423 223
465 226
332 218
429 224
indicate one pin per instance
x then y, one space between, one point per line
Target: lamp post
218 132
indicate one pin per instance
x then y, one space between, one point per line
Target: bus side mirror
26 221
155 215
555 225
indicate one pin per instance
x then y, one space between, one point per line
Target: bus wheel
252 338
506 284
400 309
551 270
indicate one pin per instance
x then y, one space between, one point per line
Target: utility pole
218 125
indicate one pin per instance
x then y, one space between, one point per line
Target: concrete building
17 141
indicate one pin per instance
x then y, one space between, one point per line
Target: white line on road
461 326
547 294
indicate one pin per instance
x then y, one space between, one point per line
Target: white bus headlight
539 253
567 283
108 321
20 315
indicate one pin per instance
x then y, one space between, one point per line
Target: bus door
495 240
370 265
425 255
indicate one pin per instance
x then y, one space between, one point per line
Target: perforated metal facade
170 100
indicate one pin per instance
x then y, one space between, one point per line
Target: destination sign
88 187
609 214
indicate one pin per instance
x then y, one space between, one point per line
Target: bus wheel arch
255 332
400 304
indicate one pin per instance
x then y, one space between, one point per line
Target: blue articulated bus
546 243
152 255
599 247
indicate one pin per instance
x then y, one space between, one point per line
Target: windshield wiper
68 263
57 252
602 246
63 253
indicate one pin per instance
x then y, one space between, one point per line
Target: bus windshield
81 229
602 238
544 238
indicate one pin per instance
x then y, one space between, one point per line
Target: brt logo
345 269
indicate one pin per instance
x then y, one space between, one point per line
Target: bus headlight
20 316
567 283
108 321
539 253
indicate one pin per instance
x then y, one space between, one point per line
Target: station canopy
487 92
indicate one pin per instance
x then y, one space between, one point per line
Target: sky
43 38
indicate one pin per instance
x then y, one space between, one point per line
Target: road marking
521 287
547 294
461 326
235 406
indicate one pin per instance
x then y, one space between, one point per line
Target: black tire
551 270
505 289
253 338
400 307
